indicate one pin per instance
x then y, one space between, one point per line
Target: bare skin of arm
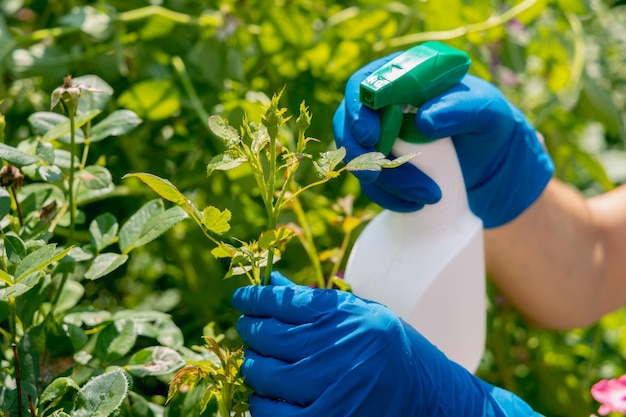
562 262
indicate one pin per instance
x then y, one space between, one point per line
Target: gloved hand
504 165
314 352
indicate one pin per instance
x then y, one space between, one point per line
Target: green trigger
413 77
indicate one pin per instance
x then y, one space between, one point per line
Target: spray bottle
428 265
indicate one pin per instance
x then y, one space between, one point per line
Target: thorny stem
18 379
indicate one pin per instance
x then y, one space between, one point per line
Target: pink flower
611 393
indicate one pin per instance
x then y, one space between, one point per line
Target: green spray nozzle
411 78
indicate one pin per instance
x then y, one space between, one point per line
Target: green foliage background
175 62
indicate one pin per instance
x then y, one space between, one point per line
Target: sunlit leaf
39 260
185 380
375 161
220 128
225 161
328 161
6 277
161 186
152 99
275 238
216 220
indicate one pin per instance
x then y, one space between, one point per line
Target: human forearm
562 261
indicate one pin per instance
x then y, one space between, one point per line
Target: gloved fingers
293 304
271 337
279 279
472 106
345 138
298 383
403 189
270 407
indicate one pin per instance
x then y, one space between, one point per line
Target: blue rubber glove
504 165
314 352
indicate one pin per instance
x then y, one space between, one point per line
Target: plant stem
223 404
179 66
493 21
13 319
272 211
342 253
307 243
18 379
17 206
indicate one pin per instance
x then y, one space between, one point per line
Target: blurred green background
174 62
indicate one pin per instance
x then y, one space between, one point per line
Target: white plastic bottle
428 265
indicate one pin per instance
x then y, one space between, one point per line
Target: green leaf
93 21
57 389
275 238
20 288
6 277
117 123
161 186
15 247
71 295
93 182
375 161
102 395
15 157
155 360
45 151
103 231
168 191
169 334
104 264
95 93
115 340
39 260
152 99
43 121
328 161
132 229
215 220
225 161
5 202
50 173
64 128
223 130
159 225
224 250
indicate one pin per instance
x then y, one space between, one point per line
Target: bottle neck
439 161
